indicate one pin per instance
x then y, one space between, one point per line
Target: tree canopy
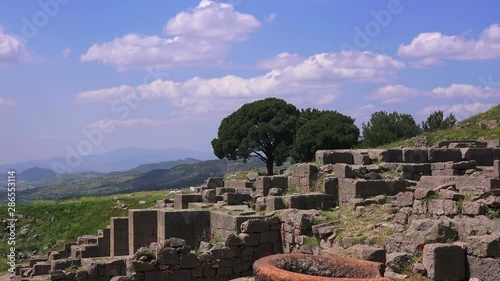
383 128
265 129
323 130
436 121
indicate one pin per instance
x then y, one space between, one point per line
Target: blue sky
91 76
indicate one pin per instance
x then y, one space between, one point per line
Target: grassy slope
56 221
468 129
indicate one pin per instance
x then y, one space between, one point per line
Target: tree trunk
269 164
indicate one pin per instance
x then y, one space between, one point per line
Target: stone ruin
444 207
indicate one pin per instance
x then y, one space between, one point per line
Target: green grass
311 242
56 222
471 128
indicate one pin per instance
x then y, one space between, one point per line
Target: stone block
485 269
236 184
191 225
331 187
496 169
483 156
222 190
445 262
404 199
104 242
415 155
233 198
473 209
421 193
143 228
182 200
119 236
444 155
462 165
392 155
41 268
451 195
254 225
209 196
343 171
443 207
484 246
274 203
212 183
369 253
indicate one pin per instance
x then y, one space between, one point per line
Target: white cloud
461 111
439 46
393 94
66 52
317 79
6 103
426 62
123 123
12 50
468 91
212 20
281 60
201 36
271 17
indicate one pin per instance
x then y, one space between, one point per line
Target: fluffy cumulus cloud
315 79
123 123
436 46
211 20
393 94
12 50
201 36
461 111
6 103
467 91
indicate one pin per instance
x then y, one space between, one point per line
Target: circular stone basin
299 267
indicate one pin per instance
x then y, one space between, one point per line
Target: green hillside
481 126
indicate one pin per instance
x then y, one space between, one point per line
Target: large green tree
323 130
386 127
436 121
265 129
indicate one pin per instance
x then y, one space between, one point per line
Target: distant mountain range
181 174
116 160
35 173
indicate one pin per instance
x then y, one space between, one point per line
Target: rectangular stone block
343 171
445 262
334 156
392 155
104 242
234 198
274 203
181 200
415 155
496 169
238 184
444 154
223 224
119 237
212 183
485 269
143 228
264 183
191 225
331 187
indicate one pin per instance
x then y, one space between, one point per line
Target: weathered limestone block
209 196
444 262
496 168
443 207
